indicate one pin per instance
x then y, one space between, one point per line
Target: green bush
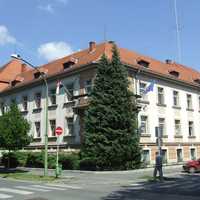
9 160
35 159
22 158
88 164
69 161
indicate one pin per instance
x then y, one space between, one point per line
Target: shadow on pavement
186 187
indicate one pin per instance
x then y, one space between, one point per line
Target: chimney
92 46
168 61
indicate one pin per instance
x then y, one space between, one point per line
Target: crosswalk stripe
24 192
47 187
34 189
5 196
65 186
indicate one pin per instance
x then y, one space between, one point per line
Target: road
106 186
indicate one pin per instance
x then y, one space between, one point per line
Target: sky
43 30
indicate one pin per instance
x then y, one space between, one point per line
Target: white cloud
54 50
48 8
5 37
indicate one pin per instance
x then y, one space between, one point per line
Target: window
70 91
88 86
144 125
25 103
53 97
68 64
177 127
143 63
161 122
37 129
191 128
179 155
38 100
142 90
193 153
2 108
164 155
160 95
13 101
176 98
70 125
174 73
52 126
146 157
199 102
189 101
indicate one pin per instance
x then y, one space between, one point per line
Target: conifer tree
110 124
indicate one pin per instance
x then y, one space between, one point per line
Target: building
174 103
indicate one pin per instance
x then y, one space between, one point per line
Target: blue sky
40 30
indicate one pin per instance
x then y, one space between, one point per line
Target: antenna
177 31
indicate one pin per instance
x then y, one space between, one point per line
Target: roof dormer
17 80
69 63
39 72
143 63
197 80
174 73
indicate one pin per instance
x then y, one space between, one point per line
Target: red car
192 166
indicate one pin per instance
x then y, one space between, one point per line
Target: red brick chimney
92 46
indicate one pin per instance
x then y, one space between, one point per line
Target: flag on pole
150 87
58 86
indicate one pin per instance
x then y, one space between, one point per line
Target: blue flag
150 87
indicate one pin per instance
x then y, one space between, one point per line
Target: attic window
68 64
13 83
197 80
174 73
37 75
143 63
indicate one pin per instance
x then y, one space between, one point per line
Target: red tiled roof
86 56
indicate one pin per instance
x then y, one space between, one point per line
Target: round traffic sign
59 130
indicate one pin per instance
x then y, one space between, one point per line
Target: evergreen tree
14 130
110 124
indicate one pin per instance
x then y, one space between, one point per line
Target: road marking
47 187
24 192
65 186
34 189
5 196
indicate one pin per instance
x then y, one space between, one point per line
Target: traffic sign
59 130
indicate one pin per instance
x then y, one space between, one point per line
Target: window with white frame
38 100
176 98
193 153
191 128
177 127
70 125
52 123
161 96
25 103
37 130
142 90
70 91
144 124
189 101
161 123
88 86
52 96
179 155
146 156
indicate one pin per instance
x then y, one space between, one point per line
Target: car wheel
192 170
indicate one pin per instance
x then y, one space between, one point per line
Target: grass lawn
23 175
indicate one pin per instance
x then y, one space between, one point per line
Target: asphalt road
106 186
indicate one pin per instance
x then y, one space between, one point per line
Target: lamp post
18 57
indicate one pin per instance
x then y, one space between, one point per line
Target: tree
111 137
14 130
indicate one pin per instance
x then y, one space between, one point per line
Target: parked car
192 166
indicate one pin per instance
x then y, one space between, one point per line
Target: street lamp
18 57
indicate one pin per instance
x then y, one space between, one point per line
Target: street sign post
58 132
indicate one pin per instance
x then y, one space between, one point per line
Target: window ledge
178 136
36 110
161 105
145 135
190 109
24 112
69 103
52 107
37 139
165 136
143 101
176 107
192 136
52 138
